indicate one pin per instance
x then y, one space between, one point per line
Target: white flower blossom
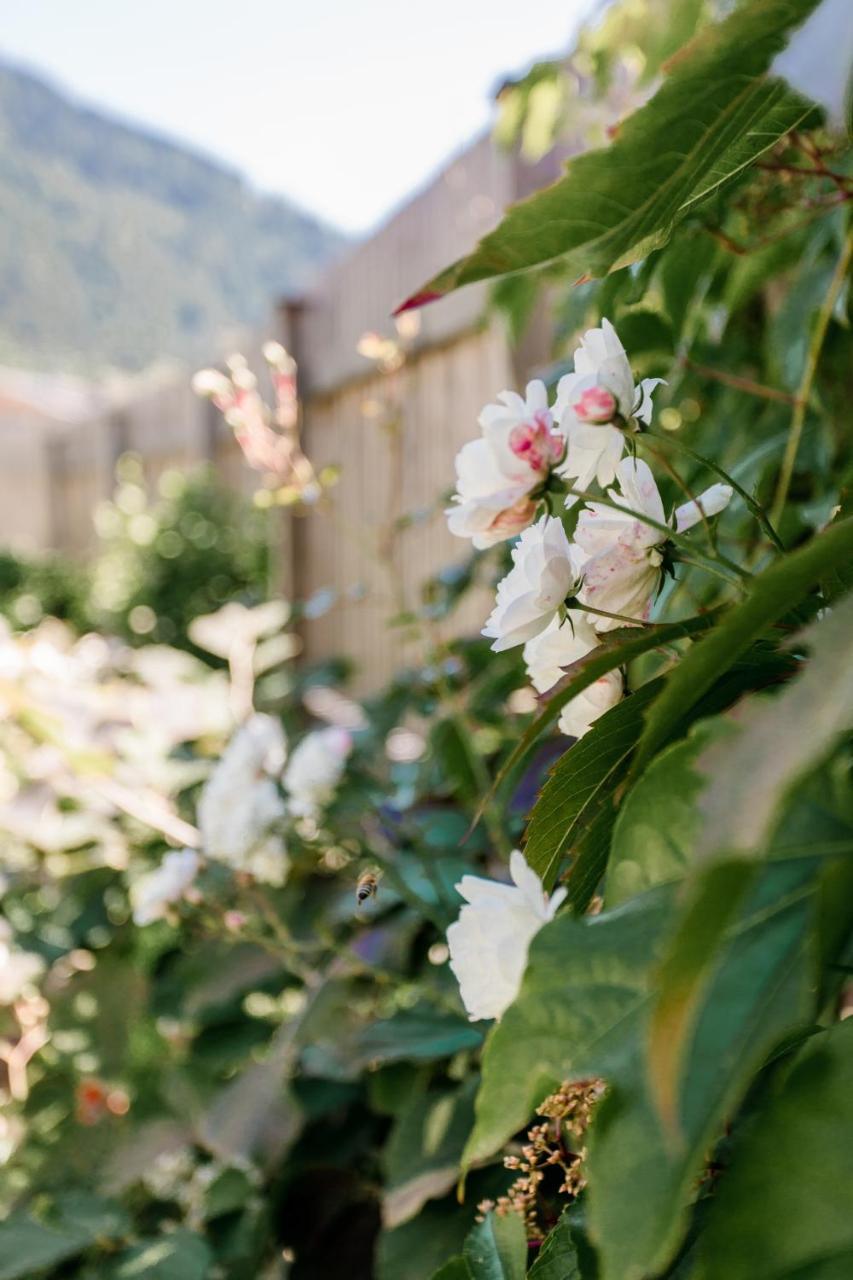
544 572
546 658
152 894
18 969
495 474
490 940
622 558
315 769
241 801
600 389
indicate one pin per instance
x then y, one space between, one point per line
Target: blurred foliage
166 560
281 1082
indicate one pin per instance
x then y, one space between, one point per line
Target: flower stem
798 417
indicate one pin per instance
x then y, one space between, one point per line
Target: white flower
621 568
490 940
495 474
556 648
588 400
315 769
241 801
152 894
543 574
18 969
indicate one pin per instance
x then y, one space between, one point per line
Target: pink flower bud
536 443
596 405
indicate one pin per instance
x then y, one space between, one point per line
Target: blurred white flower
152 894
544 572
490 940
495 474
600 390
315 769
241 801
622 560
556 648
18 969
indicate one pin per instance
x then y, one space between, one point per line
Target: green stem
798 417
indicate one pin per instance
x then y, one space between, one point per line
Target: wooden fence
394 437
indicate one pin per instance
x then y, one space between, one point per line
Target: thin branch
739 383
804 390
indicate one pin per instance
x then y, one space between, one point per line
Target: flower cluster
550 1164
242 809
268 437
560 596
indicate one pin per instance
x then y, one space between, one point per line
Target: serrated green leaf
496 1248
558 1257
577 1014
783 1208
582 780
772 594
713 116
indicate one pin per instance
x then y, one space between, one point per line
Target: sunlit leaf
713 116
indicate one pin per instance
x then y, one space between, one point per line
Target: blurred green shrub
165 561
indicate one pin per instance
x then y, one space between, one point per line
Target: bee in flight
368 883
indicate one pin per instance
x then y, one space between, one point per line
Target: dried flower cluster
551 1161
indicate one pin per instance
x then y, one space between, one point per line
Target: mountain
118 246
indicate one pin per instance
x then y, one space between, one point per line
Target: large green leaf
772 594
416 1034
581 782
654 838
181 1255
778 740
577 1014
496 1248
28 1246
783 1207
642 1176
713 116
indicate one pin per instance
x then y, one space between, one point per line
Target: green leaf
422 1155
778 740
422 1246
583 780
558 1257
496 1248
642 1177
182 1255
416 1034
578 1009
28 1246
654 838
772 594
617 648
713 116
455 1269
783 1207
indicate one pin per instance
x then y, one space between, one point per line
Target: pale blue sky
346 106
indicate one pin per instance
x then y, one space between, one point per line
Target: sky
346 106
